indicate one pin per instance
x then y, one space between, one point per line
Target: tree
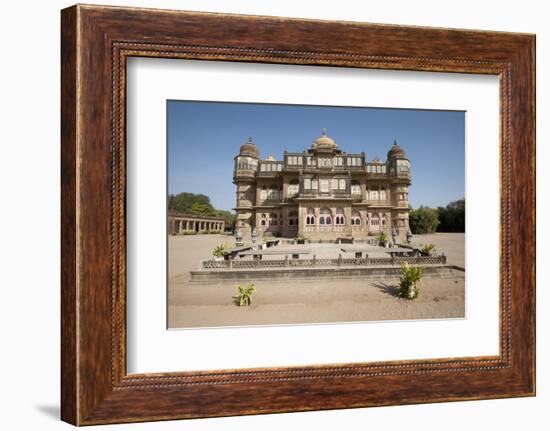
202 209
423 220
452 218
183 202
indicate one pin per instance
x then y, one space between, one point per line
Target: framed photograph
263 214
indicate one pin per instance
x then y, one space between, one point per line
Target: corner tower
244 177
400 171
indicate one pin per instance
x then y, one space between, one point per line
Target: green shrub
301 239
423 220
220 250
244 295
189 232
428 249
383 238
410 277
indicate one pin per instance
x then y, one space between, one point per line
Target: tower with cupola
244 177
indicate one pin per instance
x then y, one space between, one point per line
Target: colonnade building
322 192
187 223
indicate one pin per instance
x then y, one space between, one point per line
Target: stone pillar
317 211
347 220
258 224
301 220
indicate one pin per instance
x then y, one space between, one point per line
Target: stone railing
318 263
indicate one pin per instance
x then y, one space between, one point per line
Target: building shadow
388 289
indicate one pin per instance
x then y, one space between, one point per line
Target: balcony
378 202
244 173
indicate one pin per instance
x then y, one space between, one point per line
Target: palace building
322 192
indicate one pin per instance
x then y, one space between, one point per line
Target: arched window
374 195
263 221
263 193
375 220
325 216
383 220
310 217
340 219
355 188
342 184
292 218
383 194
293 188
273 192
355 218
273 219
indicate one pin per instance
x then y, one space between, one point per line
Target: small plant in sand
244 295
428 249
220 250
410 277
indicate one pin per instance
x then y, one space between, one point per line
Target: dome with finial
396 152
324 141
249 149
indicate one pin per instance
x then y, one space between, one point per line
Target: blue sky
204 137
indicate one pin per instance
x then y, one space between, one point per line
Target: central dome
324 141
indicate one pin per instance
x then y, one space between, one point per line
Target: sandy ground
305 301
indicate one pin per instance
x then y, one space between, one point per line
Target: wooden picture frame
95 43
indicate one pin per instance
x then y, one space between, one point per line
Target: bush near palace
450 218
